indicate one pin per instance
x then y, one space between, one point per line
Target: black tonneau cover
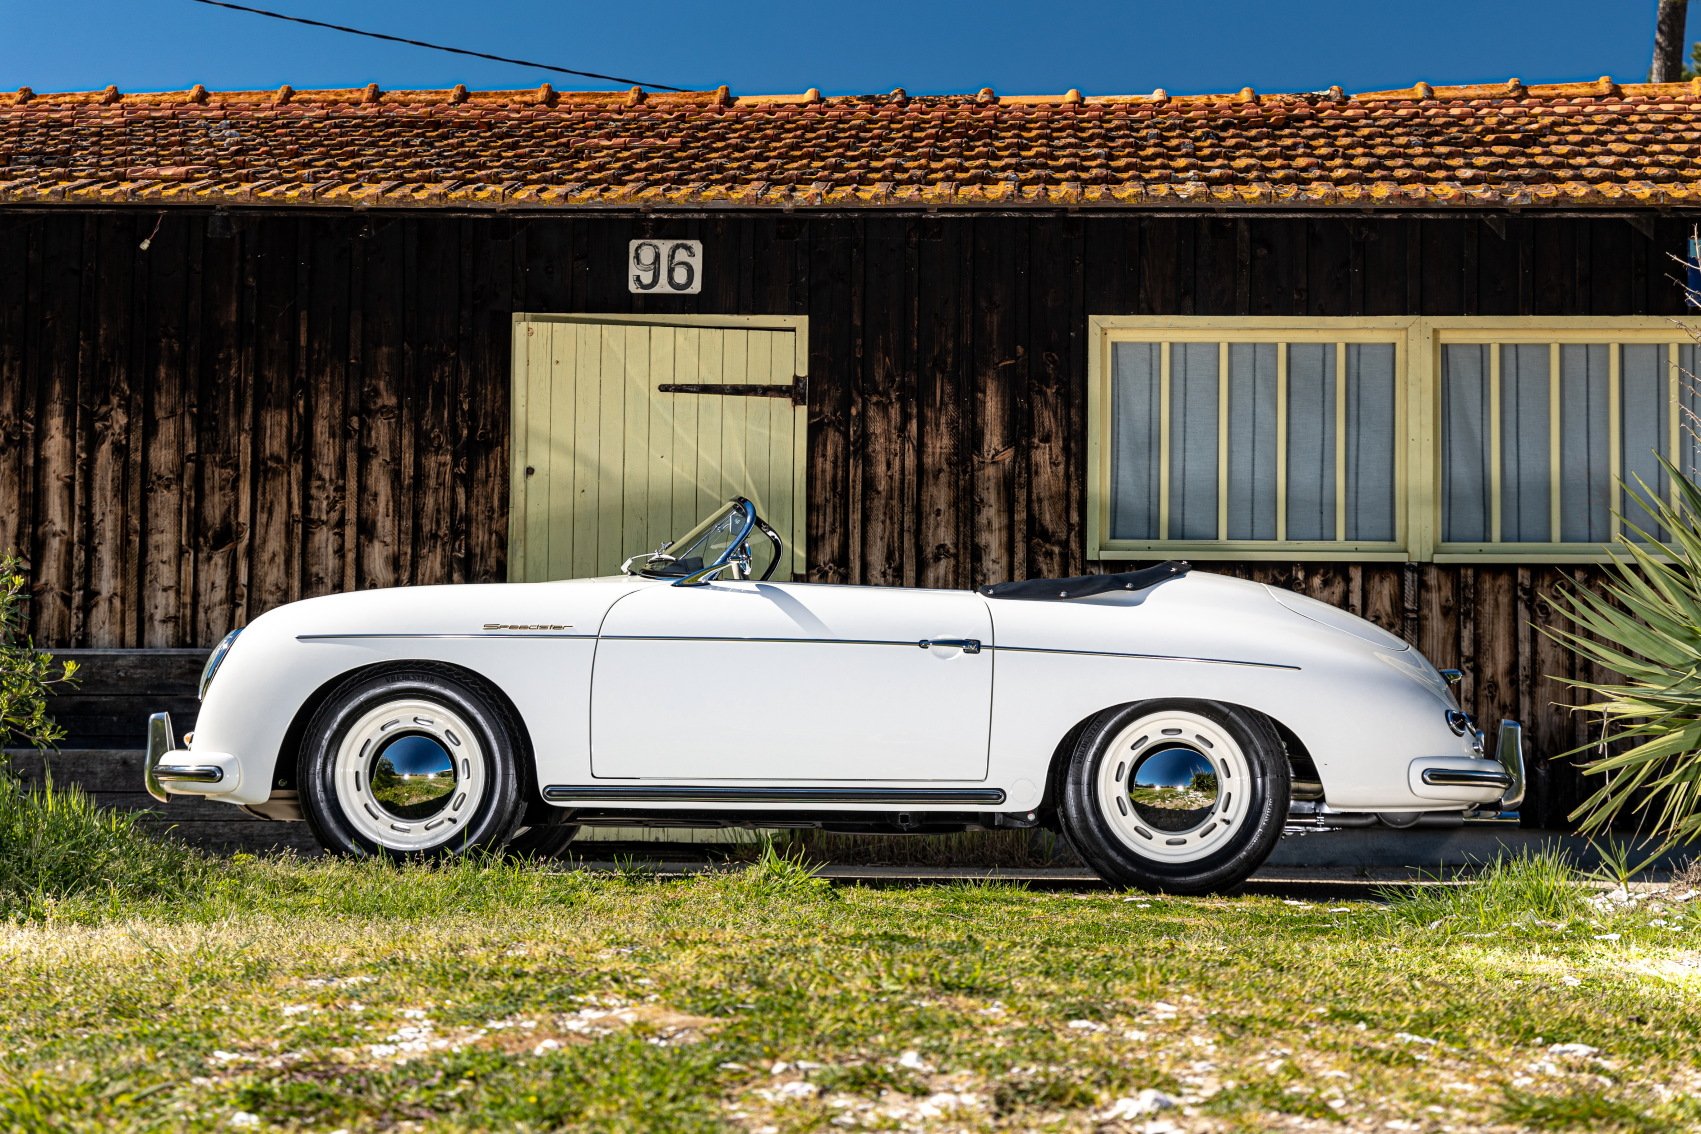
1086 586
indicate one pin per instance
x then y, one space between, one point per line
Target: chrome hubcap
1174 789
410 774
1174 785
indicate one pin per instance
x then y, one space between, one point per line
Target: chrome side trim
807 642
1451 777
756 641
476 634
160 744
1142 657
188 774
703 793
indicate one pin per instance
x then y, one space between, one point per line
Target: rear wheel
412 763
1187 797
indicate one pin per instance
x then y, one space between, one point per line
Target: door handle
967 645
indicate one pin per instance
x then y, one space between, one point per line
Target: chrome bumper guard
157 773
1508 753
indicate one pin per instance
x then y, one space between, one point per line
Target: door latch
967 645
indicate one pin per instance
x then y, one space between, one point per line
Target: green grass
278 993
60 852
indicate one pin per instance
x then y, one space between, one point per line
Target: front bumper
169 770
1498 781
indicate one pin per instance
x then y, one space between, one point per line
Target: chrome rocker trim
1446 777
156 773
674 793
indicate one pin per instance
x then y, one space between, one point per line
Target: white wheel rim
431 774
1174 786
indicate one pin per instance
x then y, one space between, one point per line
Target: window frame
1418 347
1225 331
1614 332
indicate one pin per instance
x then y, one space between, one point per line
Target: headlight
213 662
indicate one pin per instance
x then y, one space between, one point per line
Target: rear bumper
168 770
1498 781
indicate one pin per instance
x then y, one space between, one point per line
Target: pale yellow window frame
1105 331
1553 331
1418 345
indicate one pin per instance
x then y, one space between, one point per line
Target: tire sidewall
495 816
1095 840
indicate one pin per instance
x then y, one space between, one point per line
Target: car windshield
722 541
705 545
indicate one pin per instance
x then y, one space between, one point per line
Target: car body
697 694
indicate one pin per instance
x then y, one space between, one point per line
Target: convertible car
1166 721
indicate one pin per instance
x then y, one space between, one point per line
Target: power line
437 46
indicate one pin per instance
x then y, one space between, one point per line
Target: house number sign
665 267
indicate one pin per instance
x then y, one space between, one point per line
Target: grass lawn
333 995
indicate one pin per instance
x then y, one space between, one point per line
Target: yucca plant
1644 625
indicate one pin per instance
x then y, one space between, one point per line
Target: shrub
26 673
61 852
1644 625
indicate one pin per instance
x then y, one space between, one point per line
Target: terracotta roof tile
1503 143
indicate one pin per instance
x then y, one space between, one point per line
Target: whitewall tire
412 763
1184 796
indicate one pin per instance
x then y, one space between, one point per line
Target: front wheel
1185 797
412 763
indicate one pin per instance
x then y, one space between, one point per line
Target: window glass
1585 448
1134 441
1371 442
1526 471
1236 442
1311 441
1252 441
1646 394
1193 414
1464 443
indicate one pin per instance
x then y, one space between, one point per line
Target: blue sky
1111 46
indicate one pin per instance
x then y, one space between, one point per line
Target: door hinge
797 392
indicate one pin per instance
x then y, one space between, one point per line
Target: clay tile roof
1506 143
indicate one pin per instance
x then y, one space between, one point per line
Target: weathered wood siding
262 407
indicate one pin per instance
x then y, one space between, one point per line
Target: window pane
1311 441
1193 441
1464 443
1525 470
1645 394
1134 441
1371 441
1585 459
1252 441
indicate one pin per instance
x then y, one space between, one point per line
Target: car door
747 680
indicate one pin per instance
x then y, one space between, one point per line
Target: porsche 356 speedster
1166 721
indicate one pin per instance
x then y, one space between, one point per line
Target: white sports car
1166 721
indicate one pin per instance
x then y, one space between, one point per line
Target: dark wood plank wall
260 407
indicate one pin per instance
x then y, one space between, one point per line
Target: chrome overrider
1509 778
157 772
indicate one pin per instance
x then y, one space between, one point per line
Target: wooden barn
1387 349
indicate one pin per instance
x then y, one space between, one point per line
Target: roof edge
545 95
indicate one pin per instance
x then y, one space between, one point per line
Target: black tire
481 810
1232 820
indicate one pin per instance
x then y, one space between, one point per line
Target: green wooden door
608 462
